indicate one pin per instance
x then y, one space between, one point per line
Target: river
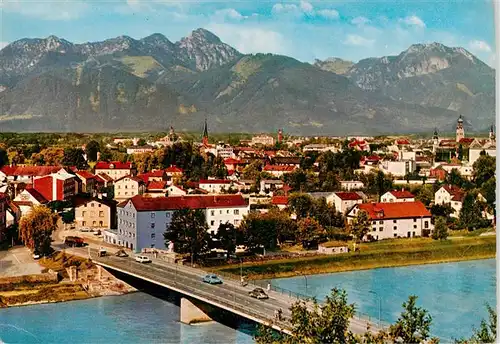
454 294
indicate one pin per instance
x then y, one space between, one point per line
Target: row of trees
329 323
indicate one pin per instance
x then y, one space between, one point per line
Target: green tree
440 229
4 157
471 213
259 230
444 210
189 232
484 169
487 330
252 171
106 154
382 184
36 227
301 204
91 149
227 237
309 230
425 194
360 225
74 157
297 179
413 325
455 178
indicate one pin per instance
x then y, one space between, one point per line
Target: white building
398 168
142 220
397 196
452 195
264 140
395 220
114 169
319 147
224 151
127 187
345 200
218 185
349 185
476 148
27 199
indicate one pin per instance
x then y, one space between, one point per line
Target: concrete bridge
199 299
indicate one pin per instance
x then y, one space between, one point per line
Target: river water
454 294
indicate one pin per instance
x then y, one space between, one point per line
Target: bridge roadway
230 295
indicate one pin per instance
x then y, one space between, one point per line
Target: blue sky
305 30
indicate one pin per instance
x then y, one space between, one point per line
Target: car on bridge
258 293
142 259
212 279
121 253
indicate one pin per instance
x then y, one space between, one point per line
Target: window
101 214
236 222
83 213
100 223
92 205
99 205
395 235
381 222
415 226
153 235
414 220
374 229
125 186
426 224
94 223
212 223
83 223
236 212
380 229
126 193
395 227
395 221
212 213
152 225
227 212
153 215
220 212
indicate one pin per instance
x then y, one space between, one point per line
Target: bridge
198 299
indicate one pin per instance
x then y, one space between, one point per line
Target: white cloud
413 21
3 45
229 13
328 13
61 10
250 40
284 8
306 7
479 46
357 40
360 21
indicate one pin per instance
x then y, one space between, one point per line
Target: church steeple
460 133
435 140
205 134
492 134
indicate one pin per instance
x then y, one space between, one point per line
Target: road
230 295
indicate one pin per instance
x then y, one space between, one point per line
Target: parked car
73 241
212 279
121 253
258 293
142 259
102 252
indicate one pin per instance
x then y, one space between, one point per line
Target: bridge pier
192 313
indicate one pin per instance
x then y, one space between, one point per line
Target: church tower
460 129
280 135
492 134
435 141
205 134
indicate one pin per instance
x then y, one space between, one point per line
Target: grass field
386 253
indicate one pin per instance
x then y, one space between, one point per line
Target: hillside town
400 184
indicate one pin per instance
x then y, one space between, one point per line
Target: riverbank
381 254
65 278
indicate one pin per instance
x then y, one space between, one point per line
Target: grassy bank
386 253
21 294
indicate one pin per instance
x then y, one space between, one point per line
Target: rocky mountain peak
202 35
334 65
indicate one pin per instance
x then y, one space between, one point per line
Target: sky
305 30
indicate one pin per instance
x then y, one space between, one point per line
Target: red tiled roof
174 169
276 168
452 189
117 165
231 161
402 194
348 196
36 195
395 210
104 177
466 140
30 170
137 179
157 185
403 142
182 202
280 200
85 174
370 158
214 181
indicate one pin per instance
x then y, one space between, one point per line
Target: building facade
95 213
397 196
128 187
57 186
114 169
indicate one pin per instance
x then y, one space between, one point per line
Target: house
143 220
344 201
3 215
156 189
223 150
175 190
398 168
56 186
115 169
140 149
439 173
333 247
329 196
371 160
218 185
475 149
278 170
452 195
319 147
395 220
27 199
397 196
280 201
155 175
360 145
127 187
174 171
264 140
269 185
87 181
26 174
349 185
233 164
95 213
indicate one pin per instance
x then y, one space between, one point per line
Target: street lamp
379 306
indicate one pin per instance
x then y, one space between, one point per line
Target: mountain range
123 84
